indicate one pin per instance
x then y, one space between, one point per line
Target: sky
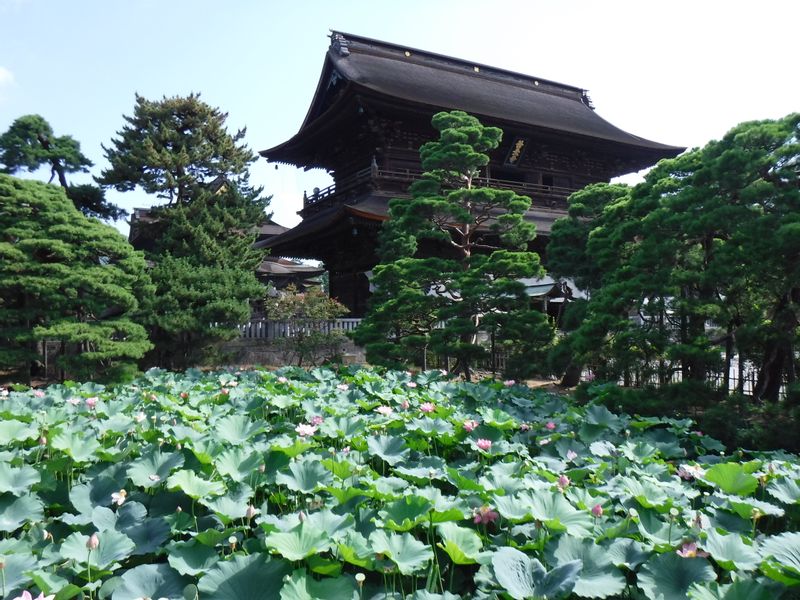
680 72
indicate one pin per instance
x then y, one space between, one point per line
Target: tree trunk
572 375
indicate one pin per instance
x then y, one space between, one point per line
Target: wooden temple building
372 111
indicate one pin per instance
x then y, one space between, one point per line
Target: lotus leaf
408 553
523 577
669 576
302 587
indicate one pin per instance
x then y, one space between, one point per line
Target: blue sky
680 72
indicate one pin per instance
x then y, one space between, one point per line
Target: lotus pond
353 484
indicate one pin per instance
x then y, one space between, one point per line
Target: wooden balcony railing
378 176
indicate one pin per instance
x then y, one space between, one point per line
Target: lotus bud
251 511
93 542
597 511
43 440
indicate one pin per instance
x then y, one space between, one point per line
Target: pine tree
203 264
29 143
451 259
67 278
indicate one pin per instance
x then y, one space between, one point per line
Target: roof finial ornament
340 44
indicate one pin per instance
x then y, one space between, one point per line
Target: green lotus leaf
336 526
741 589
231 505
16 511
745 507
512 509
114 547
191 558
498 418
355 550
291 447
343 427
341 469
249 577
194 486
557 513
783 558
437 427
237 429
15 573
50 583
149 536
786 490
600 415
669 576
730 552
302 541
301 586
599 578
658 530
628 553
405 513
390 448
154 467
206 450
17 481
305 476
523 577
97 492
462 482
151 581
647 493
12 431
732 478
461 544
79 447
409 554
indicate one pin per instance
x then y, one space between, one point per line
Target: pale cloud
6 76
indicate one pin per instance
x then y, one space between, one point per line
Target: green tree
29 143
174 146
201 242
696 264
307 315
65 277
204 275
452 257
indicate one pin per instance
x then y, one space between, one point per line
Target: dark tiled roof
443 82
446 82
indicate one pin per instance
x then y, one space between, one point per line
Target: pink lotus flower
118 498
404 404
485 515
282 379
509 382
689 472
346 450
342 387
550 426
317 420
304 429
689 550
93 542
427 407
225 391
571 455
524 427
73 401
38 393
484 444
470 425
563 482
91 402
26 595
411 384
544 441
597 511
384 410
140 417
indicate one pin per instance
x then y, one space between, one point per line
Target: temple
372 111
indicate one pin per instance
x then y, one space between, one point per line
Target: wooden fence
263 329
